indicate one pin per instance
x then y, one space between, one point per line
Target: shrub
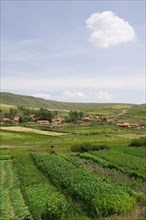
5 157
85 147
138 142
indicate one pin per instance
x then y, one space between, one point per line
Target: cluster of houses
56 120
87 119
130 125
7 120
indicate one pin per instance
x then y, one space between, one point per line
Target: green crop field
80 171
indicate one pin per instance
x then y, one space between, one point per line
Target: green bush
138 142
5 157
85 147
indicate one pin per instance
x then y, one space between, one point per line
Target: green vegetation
12 203
99 197
46 202
43 199
123 160
87 146
110 175
139 142
74 116
113 165
130 164
87 170
29 101
137 111
5 157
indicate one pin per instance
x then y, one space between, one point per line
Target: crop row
124 160
112 164
140 151
43 199
90 162
99 197
131 164
12 205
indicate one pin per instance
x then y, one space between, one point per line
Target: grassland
9 99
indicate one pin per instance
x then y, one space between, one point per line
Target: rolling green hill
9 99
137 111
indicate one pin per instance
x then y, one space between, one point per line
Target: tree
44 114
23 119
75 116
12 112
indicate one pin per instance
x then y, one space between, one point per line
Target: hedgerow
138 142
85 147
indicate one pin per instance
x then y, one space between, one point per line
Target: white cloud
73 95
108 29
44 96
104 96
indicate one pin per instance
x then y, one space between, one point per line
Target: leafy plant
46 202
87 146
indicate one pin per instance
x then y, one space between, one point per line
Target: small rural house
16 119
124 124
58 120
5 120
43 122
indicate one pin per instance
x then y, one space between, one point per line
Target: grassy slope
137 111
29 101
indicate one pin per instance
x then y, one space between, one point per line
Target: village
43 117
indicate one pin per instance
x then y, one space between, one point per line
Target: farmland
77 171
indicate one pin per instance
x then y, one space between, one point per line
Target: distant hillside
29 101
137 111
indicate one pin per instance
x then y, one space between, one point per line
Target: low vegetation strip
131 185
11 200
31 130
136 151
5 157
43 199
99 197
139 142
126 161
109 164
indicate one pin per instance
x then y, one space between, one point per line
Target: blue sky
83 51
